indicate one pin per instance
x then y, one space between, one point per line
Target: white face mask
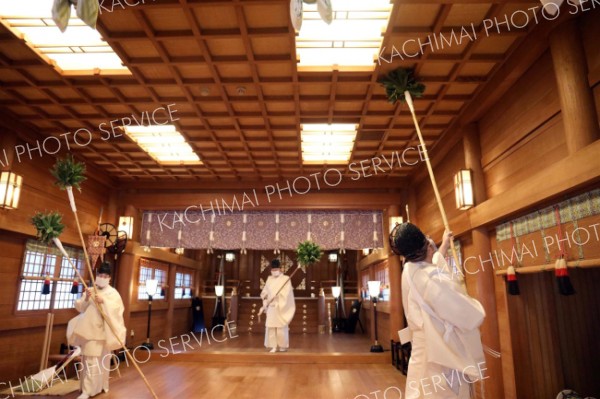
102 282
275 273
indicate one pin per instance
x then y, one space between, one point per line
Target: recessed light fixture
352 40
163 143
330 144
80 50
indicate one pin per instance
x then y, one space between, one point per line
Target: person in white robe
447 354
279 305
92 334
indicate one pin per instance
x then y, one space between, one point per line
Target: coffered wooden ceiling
196 54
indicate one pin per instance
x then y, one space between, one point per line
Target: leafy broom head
48 225
68 173
308 253
398 81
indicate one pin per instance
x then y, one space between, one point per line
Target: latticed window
183 285
41 261
152 270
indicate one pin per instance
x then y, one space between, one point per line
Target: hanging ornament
511 279
325 10
296 14
75 287
276 251
46 286
162 291
243 250
560 266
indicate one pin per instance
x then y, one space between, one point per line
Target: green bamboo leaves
48 225
398 81
68 173
308 253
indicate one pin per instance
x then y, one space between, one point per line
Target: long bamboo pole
91 273
438 198
110 326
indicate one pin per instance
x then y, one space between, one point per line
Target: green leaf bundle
48 225
68 173
398 81
308 253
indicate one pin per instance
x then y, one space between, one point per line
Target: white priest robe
444 322
90 332
280 311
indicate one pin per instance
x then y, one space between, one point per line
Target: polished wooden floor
264 379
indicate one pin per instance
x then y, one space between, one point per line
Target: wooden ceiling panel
437 69
194 71
182 47
274 14
416 15
263 46
141 48
466 14
198 54
216 17
477 69
226 47
495 44
163 19
275 70
237 70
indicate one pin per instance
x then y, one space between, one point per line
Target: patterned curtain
263 230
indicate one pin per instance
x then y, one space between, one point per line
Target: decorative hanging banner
263 230
96 248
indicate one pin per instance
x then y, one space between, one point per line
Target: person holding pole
443 321
90 332
278 303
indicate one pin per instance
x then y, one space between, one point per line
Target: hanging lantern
463 189
10 190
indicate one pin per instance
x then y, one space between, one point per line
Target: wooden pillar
130 210
480 280
576 98
125 280
395 274
170 291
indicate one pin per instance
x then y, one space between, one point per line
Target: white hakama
444 321
280 311
90 332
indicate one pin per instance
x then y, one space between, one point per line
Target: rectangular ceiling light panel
163 143
80 50
327 144
352 40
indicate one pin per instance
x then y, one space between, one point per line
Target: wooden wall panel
139 324
182 320
536 151
554 340
530 103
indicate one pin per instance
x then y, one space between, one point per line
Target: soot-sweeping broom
401 85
